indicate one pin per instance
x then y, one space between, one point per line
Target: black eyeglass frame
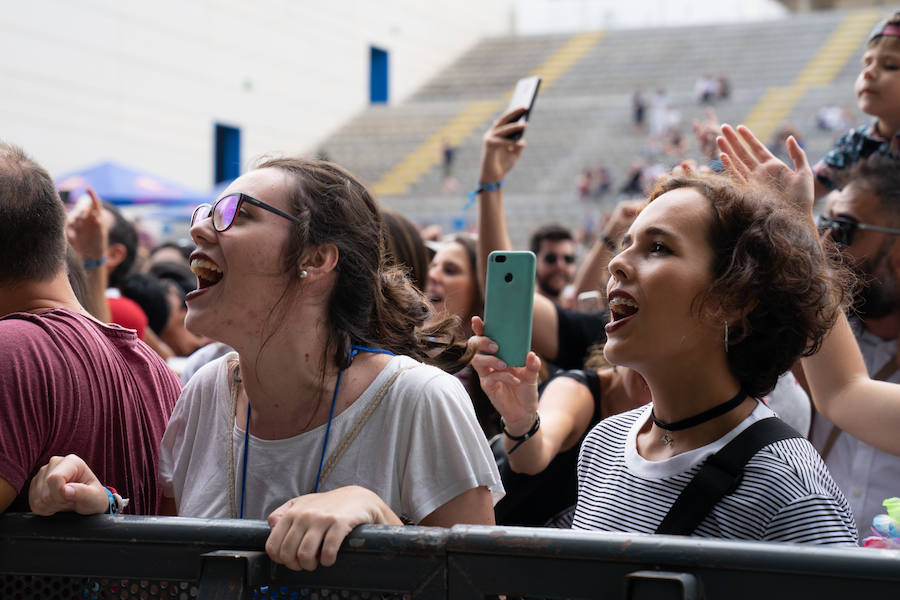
845 228
241 199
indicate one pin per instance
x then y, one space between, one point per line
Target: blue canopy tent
152 198
122 185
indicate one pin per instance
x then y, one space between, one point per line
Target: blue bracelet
482 187
93 264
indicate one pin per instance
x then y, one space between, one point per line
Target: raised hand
67 484
512 390
308 531
86 230
499 154
755 163
705 133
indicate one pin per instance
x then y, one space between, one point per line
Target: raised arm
499 155
593 273
838 381
87 233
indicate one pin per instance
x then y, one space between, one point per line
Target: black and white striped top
786 494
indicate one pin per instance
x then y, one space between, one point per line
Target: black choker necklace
707 415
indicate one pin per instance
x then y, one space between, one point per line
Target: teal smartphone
508 304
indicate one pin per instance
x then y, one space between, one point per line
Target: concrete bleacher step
783 70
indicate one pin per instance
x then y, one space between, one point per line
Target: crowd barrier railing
149 558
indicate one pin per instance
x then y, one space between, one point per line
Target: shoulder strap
357 427
720 475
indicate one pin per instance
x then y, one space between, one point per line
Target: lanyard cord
354 350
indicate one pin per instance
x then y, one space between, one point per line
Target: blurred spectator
834 118
638 108
723 87
405 247
705 89
554 247
179 251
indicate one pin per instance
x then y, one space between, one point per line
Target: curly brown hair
769 267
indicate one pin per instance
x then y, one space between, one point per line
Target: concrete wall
144 83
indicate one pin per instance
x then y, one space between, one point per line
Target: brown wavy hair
769 266
373 303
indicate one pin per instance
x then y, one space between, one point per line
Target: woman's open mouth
208 274
622 307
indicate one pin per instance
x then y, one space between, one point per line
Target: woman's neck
288 378
678 397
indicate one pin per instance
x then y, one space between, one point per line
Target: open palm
754 163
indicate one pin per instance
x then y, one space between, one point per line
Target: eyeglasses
551 258
227 207
843 228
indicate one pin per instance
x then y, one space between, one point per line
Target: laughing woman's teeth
622 307
207 271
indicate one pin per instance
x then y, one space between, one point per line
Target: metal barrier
105 557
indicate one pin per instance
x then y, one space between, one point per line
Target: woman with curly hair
718 289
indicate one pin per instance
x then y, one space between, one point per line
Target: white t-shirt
419 449
785 495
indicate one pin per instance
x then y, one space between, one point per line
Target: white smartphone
524 95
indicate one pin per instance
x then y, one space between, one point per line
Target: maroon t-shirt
69 385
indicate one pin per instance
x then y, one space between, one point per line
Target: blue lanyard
354 350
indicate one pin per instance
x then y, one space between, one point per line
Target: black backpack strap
721 474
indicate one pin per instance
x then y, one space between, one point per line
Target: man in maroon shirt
69 384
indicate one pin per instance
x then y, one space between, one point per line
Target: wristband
521 439
482 187
93 264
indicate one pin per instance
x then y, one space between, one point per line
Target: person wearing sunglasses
863 220
325 417
555 250
853 376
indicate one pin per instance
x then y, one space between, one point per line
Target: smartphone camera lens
500 258
508 277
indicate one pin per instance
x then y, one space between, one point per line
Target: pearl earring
303 274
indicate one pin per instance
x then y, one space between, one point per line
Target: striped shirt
786 494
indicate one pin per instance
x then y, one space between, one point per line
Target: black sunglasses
843 228
551 258
227 207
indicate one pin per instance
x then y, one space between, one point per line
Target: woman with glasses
325 417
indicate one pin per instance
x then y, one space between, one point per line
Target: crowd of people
334 368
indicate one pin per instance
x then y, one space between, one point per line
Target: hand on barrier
67 484
499 154
512 390
308 530
755 163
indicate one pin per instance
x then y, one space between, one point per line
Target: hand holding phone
523 97
509 302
